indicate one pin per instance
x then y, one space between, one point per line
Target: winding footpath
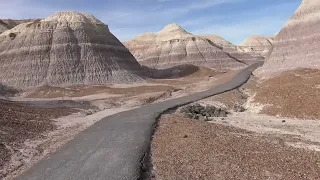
113 148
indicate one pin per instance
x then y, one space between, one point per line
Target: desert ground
77 103
254 131
35 123
267 138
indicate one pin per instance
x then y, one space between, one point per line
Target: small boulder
202 118
216 112
223 113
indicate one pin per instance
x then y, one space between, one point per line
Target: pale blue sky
234 20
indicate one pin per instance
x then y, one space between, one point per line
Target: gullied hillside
6 24
3 27
237 52
64 49
297 44
174 46
218 40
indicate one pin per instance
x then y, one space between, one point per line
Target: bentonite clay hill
6 24
174 46
235 51
3 27
297 44
67 48
258 45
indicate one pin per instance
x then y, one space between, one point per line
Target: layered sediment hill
174 46
235 51
67 48
297 44
257 45
6 24
3 27
140 44
218 40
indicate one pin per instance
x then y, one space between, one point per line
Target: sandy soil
189 149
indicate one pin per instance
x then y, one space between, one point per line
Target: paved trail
112 148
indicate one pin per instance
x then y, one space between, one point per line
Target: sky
234 20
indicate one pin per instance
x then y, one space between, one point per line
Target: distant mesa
173 46
67 48
297 44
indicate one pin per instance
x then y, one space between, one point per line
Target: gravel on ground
188 149
293 94
19 122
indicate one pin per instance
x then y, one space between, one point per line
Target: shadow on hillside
6 91
171 73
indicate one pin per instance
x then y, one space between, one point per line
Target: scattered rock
238 108
185 136
202 118
223 114
203 113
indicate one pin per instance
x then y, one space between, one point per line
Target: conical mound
297 44
256 41
193 50
174 46
65 49
257 45
217 40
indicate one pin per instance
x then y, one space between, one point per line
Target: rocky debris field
203 113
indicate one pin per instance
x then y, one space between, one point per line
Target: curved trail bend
112 148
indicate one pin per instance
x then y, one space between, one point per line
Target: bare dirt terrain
275 137
20 122
188 149
296 94
57 114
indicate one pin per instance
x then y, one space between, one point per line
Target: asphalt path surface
112 148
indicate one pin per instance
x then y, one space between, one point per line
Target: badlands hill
235 51
3 27
174 46
257 45
218 40
297 44
6 24
64 49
